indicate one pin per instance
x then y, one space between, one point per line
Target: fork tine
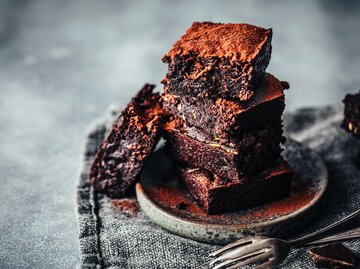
266 265
226 262
250 260
241 252
242 241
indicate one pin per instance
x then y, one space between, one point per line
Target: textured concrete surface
63 62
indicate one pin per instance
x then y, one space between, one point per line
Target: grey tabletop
63 62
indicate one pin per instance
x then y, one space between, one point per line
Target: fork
268 252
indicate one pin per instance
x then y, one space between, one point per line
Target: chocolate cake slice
218 60
224 118
351 121
253 151
215 196
132 138
332 256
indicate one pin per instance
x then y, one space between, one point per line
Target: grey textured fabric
125 238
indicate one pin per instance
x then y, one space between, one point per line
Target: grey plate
164 199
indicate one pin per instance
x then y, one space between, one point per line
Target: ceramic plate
165 200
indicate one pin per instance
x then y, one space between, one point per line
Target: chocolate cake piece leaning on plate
131 140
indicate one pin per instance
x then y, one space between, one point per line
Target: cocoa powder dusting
127 206
286 206
238 41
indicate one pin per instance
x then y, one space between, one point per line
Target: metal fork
268 252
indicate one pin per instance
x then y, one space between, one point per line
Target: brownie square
351 122
216 197
218 60
224 118
253 151
332 256
132 138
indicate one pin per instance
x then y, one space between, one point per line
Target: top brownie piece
351 122
132 138
218 60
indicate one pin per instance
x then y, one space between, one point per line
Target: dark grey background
63 62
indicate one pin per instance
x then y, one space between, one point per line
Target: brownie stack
225 132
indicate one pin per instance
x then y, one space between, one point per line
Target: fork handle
351 234
322 232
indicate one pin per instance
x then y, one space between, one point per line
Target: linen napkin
116 234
